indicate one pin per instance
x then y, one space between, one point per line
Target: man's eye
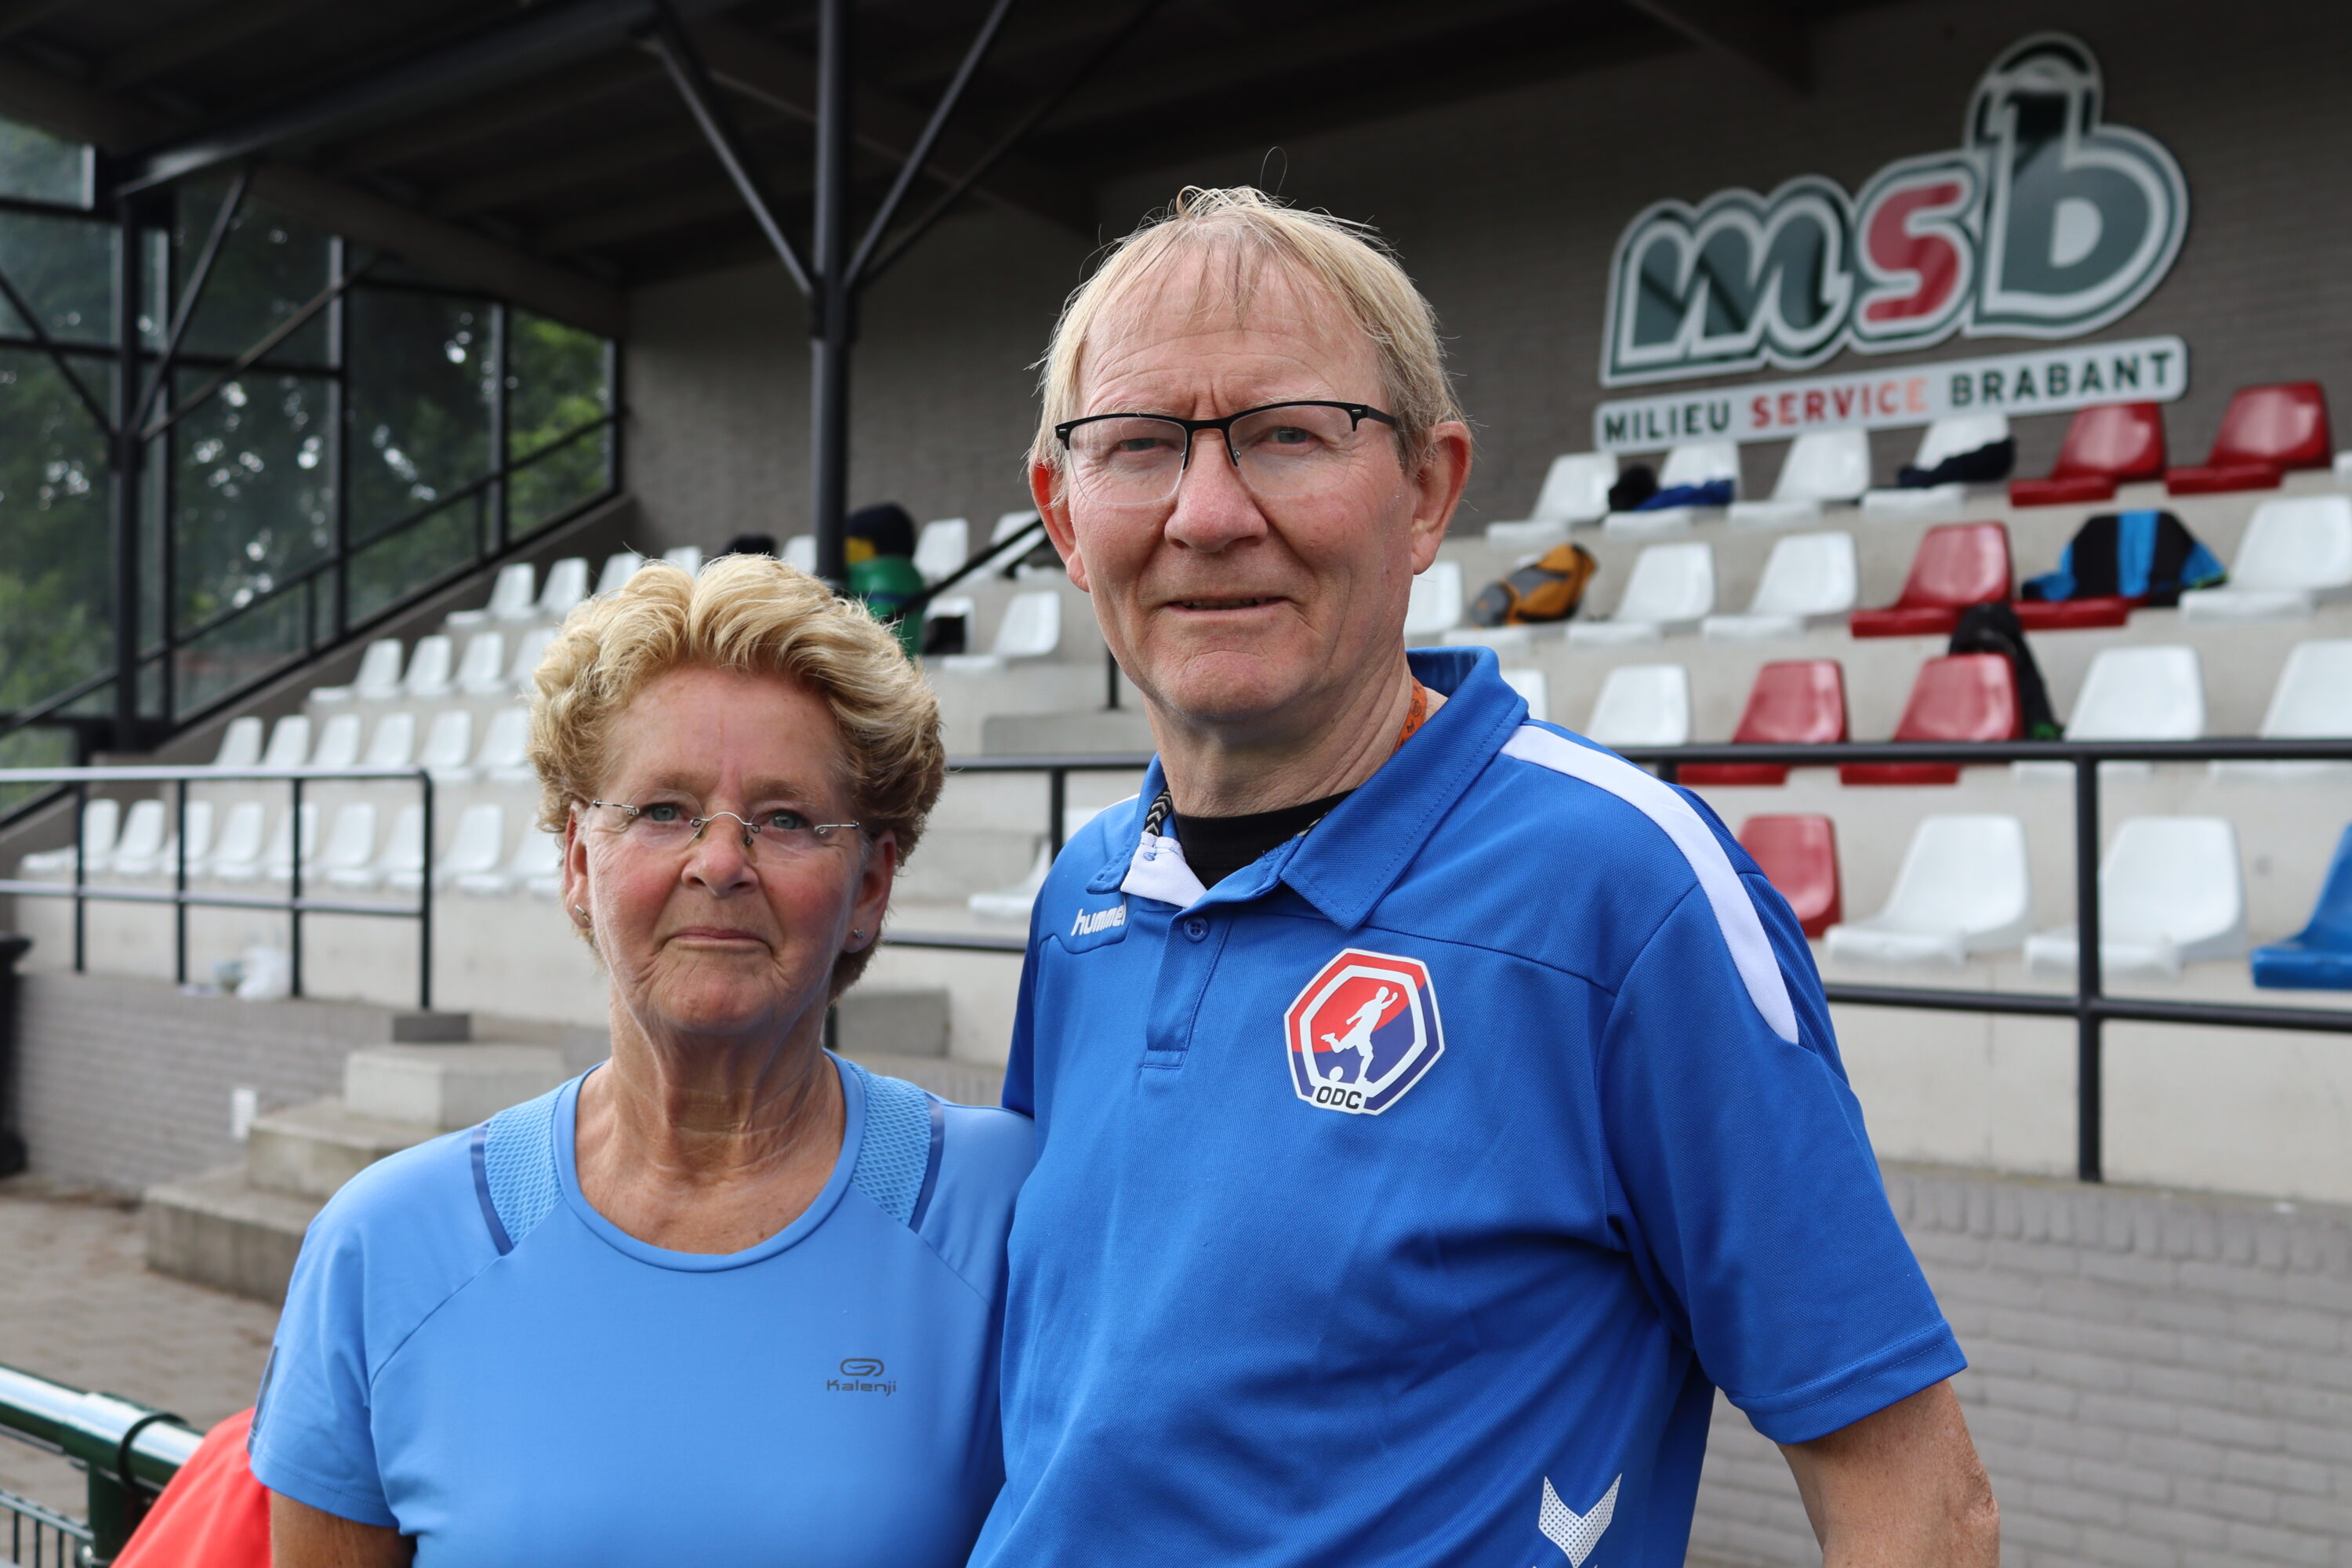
664 813
784 821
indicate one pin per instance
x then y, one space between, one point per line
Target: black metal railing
127 1451
294 903
2090 1007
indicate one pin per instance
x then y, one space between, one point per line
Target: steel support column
123 459
2090 1158
832 326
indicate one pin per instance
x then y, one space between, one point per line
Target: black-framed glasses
1281 450
667 828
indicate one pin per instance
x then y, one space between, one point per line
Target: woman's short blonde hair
1250 231
755 614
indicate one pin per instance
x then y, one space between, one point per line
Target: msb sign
2046 222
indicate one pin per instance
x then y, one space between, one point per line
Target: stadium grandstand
1912 425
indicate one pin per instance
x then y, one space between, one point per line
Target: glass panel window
56 595
64 267
270 266
251 498
39 167
556 382
421 383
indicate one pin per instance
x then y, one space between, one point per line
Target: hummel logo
1576 1534
1101 920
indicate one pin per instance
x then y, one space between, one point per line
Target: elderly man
1434 1109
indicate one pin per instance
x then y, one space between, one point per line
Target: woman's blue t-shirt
472 1354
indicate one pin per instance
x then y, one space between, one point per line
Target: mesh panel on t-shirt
518 1162
897 1149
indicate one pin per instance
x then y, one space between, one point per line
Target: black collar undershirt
1217 846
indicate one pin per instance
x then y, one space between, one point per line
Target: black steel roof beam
206 32
15 15
680 57
548 32
286 329
442 130
921 155
56 353
198 276
1765 36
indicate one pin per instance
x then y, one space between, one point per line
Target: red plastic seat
2072 614
1960 697
1798 855
1796 703
2105 447
2266 431
1958 564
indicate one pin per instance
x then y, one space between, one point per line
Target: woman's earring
580 915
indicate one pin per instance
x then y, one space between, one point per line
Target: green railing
127 1450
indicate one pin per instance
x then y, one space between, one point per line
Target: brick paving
78 1304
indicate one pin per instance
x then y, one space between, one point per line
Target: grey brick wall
2162 1380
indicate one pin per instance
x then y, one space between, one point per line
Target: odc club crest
1362 1032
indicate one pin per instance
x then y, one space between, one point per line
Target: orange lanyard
1415 716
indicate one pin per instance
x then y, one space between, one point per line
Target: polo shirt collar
1353 857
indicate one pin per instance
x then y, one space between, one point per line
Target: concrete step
443 1088
894 1021
219 1229
1087 732
310 1151
964 1083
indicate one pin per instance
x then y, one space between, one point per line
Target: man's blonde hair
1250 231
753 615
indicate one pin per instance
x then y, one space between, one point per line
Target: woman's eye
784 821
666 812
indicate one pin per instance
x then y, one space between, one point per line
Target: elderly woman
725 1298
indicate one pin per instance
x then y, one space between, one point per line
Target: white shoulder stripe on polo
1735 913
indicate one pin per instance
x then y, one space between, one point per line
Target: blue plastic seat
2319 956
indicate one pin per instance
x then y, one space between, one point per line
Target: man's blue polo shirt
1405 1198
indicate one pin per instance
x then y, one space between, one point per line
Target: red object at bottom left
213 1514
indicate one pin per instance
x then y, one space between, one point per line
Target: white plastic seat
2297 549
1945 438
400 867
510 597
1642 705
505 757
1002 530
530 649
1535 687
238 856
2344 467
567 585
1823 468
1964 888
449 745
1672 586
687 558
279 863
429 666
536 865
350 845
1434 603
2154 692
1692 463
941 547
101 819
1808 576
289 743
619 567
394 744
2312 701
339 742
483 671
1032 628
240 745
2170 893
1575 490
800 551
474 851
378 679
1012 904
200 843
139 849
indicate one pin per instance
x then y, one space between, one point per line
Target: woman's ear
875 874
575 874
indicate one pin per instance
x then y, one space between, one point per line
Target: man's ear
1443 473
1052 505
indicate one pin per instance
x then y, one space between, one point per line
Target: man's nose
1214 508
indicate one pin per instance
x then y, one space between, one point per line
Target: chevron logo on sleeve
1576 1534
